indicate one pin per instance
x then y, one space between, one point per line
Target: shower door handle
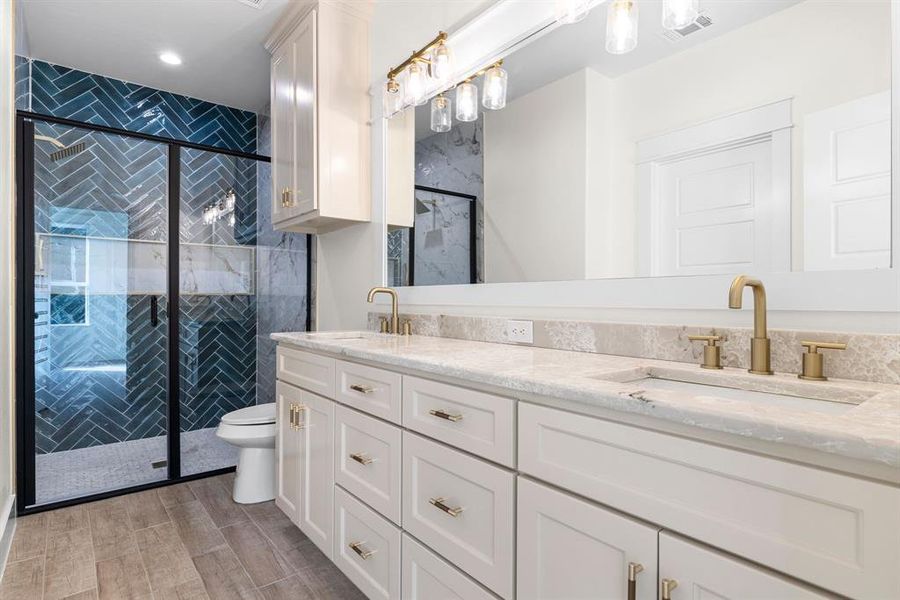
154 311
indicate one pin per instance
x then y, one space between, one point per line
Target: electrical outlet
520 332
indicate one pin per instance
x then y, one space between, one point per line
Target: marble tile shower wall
868 357
103 379
451 161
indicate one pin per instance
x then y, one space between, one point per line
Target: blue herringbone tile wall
23 99
102 377
71 94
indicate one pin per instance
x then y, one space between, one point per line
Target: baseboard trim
7 529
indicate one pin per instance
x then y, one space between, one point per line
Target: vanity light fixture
571 11
494 93
436 56
678 14
467 101
440 114
621 26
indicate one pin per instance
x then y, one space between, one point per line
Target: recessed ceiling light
170 58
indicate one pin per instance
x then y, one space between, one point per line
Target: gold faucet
395 315
760 352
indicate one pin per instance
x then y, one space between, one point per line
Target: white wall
351 260
7 171
535 153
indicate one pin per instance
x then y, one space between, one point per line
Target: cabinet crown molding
298 9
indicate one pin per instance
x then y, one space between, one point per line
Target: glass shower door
100 221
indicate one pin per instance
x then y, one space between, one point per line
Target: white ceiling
220 42
569 48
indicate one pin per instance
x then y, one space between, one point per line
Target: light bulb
230 200
441 63
393 100
415 85
232 220
466 102
440 114
621 26
678 14
571 11
493 97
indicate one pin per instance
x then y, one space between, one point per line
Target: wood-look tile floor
188 541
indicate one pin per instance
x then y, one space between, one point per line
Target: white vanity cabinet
320 111
424 489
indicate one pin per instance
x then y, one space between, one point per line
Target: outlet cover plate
520 332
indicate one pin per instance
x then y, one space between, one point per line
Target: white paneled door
715 212
317 471
847 186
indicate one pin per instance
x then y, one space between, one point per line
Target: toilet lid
252 415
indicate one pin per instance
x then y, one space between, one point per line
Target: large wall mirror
754 138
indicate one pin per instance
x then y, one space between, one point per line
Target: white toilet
252 429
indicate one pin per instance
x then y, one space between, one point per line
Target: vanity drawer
427 576
480 423
368 460
370 390
306 370
366 547
461 507
834 531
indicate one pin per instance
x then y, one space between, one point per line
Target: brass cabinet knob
666 587
712 353
813 362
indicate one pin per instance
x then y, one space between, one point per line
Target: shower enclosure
139 331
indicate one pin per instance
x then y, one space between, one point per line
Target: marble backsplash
868 357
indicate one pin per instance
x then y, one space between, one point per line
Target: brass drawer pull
439 504
298 413
442 414
292 421
362 389
363 554
362 458
667 586
633 570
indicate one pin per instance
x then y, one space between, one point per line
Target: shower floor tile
76 473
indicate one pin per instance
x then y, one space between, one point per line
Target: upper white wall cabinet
320 117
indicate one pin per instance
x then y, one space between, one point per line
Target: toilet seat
261 414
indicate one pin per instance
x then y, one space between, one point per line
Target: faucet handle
712 353
813 362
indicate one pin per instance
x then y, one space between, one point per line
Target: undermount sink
342 335
766 398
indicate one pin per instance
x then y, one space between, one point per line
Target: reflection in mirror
756 138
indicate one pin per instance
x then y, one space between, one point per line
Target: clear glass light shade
571 11
415 85
392 98
493 97
621 26
442 63
678 14
466 102
230 200
440 114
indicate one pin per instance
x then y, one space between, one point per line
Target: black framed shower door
118 297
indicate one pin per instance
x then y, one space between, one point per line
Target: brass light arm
417 56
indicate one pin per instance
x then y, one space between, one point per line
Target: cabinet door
702 573
304 196
283 128
287 451
317 470
571 549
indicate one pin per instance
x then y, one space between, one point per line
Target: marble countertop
852 419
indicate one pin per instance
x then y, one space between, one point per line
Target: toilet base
255 478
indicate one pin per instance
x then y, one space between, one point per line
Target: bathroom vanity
427 467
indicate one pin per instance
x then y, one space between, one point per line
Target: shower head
64 151
421 209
